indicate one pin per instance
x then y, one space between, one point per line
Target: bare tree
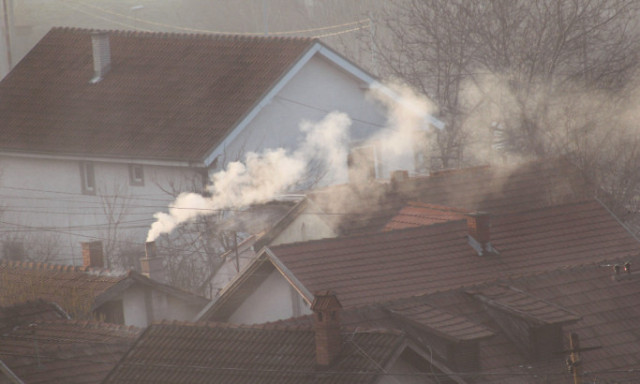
536 49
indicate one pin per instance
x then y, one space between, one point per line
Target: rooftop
224 353
383 266
166 96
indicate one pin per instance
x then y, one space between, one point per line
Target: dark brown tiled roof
456 328
65 351
609 317
497 189
29 312
416 214
221 353
167 96
388 265
522 304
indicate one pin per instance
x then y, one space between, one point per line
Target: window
88 178
136 174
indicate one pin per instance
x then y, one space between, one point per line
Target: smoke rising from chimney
262 176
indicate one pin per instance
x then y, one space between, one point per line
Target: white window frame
136 170
88 178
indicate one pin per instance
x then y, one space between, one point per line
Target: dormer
454 339
534 325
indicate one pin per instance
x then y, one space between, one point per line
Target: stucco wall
319 88
273 300
45 207
305 227
134 307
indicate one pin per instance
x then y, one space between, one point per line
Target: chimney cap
325 300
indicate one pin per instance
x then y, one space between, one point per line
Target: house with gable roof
404 201
92 291
321 352
381 266
522 329
125 120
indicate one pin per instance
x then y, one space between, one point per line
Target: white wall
44 203
134 307
273 300
305 227
317 89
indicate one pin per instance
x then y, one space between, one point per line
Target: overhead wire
362 24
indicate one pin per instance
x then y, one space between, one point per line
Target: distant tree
518 57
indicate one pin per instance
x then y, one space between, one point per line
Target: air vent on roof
101 55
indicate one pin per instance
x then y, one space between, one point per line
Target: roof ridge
197 35
277 326
44 266
93 324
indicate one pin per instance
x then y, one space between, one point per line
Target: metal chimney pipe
101 55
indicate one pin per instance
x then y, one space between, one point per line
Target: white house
91 291
99 130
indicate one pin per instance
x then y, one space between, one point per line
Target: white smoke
262 176
407 113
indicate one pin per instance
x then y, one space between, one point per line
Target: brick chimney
151 265
101 55
326 314
479 231
92 255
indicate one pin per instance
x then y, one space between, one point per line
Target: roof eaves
291 278
282 224
191 298
232 287
263 101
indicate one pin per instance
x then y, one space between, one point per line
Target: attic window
136 175
88 179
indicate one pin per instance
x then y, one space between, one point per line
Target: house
389 265
349 209
325 352
521 330
100 130
62 351
404 201
90 291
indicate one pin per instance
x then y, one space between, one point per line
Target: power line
198 30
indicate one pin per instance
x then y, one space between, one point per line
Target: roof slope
65 351
73 288
28 312
495 189
221 353
383 266
166 96
416 214
607 307
78 290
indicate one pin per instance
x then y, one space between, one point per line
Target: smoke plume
262 176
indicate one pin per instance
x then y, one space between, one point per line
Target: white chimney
101 55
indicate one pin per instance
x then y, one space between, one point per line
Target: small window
136 174
88 178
